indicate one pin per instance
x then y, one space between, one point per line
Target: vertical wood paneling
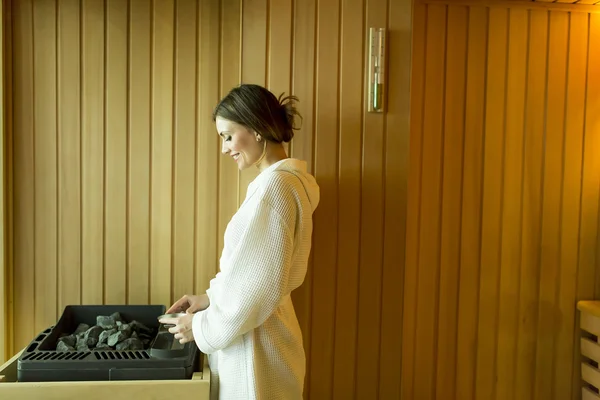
255 24
23 231
207 146
279 57
548 318
409 317
470 235
454 114
128 143
115 165
510 261
92 153
371 232
184 148
45 151
591 168
279 66
303 67
230 75
491 222
69 179
325 235
396 164
138 199
590 179
348 249
6 171
571 189
120 194
161 170
431 200
530 200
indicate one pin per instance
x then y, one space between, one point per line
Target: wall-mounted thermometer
376 70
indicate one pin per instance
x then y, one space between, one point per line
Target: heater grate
121 355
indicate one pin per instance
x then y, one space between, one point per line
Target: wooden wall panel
470 233
207 159
69 155
138 151
115 147
348 245
452 167
511 221
325 166
533 153
92 152
45 204
23 185
303 85
5 171
121 194
395 148
161 154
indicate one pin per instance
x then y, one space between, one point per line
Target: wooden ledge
590 307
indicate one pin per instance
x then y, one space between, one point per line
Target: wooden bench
590 348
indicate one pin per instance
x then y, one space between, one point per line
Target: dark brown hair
258 109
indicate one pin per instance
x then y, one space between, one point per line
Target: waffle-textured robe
250 331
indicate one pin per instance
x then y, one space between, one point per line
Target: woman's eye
228 139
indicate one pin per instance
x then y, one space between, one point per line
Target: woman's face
239 143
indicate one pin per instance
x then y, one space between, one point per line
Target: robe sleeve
254 284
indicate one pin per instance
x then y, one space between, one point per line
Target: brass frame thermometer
377 70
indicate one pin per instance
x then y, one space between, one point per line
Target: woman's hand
182 328
190 304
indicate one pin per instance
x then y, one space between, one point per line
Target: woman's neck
275 153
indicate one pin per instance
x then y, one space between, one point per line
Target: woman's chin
242 165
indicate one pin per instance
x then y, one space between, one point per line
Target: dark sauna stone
146 339
126 329
115 338
130 344
92 335
105 322
102 346
116 316
81 329
62 347
103 338
108 334
69 340
82 344
140 328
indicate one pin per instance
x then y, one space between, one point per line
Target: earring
258 138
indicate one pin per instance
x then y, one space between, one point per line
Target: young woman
245 322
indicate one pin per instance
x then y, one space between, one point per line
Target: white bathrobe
250 330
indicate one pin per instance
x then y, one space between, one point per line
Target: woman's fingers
179 305
169 321
193 308
180 327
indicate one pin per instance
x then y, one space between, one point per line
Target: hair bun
288 107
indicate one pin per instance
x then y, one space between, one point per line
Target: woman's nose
224 148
